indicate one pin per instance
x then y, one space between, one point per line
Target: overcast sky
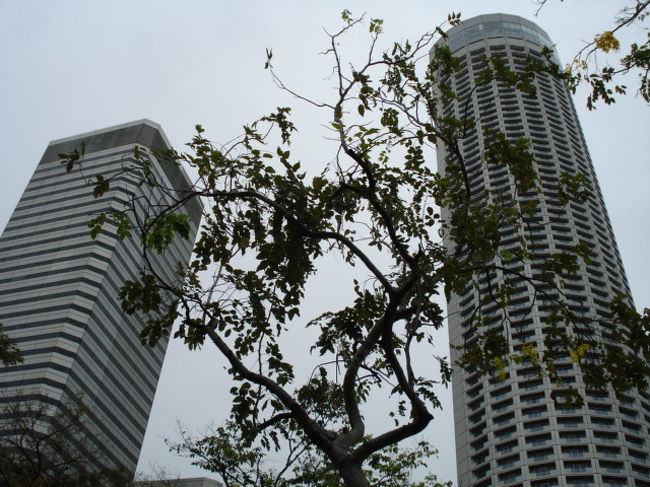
71 66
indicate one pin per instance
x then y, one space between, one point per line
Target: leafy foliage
9 353
165 228
601 77
238 464
73 158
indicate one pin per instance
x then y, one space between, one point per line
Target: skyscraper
510 432
59 287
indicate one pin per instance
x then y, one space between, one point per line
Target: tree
43 445
9 352
602 78
238 463
268 222
159 478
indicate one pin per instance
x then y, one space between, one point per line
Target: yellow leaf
500 365
606 41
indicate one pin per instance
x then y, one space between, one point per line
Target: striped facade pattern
510 432
59 288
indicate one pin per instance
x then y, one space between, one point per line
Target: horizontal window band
37 324
46 350
72 210
69 270
31 242
46 285
65 294
46 190
82 223
79 246
65 199
31 367
51 228
48 336
58 184
58 164
48 309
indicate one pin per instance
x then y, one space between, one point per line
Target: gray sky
71 66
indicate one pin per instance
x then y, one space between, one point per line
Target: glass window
474 33
457 41
493 29
512 29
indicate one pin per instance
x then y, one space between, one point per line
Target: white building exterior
510 432
59 288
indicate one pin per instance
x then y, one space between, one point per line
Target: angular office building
59 287
510 432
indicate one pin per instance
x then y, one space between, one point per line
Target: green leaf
506 255
72 158
122 224
96 225
9 353
161 230
101 186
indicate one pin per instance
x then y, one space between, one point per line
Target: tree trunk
352 474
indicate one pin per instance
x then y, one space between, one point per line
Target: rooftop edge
143 121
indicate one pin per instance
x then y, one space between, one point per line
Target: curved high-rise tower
510 432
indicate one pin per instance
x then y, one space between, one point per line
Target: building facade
510 432
189 482
59 287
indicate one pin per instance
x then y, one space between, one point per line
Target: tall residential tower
510 432
59 287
